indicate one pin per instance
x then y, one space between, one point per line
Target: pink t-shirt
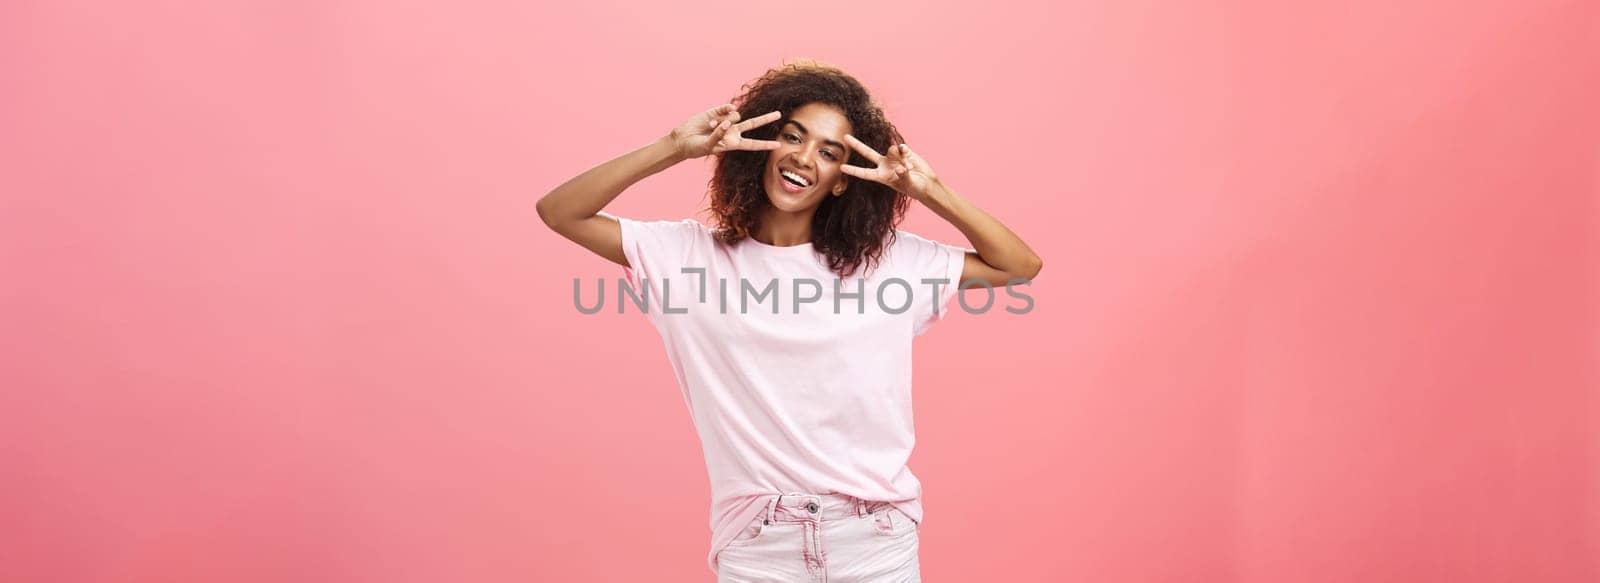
791 395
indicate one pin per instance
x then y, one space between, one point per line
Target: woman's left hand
902 170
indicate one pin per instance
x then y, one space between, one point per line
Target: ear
844 182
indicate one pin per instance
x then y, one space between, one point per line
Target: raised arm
1001 255
573 209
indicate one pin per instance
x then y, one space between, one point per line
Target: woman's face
810 151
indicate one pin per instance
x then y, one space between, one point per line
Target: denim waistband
800 507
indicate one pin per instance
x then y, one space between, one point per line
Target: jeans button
812 507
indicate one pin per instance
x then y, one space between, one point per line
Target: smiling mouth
793 182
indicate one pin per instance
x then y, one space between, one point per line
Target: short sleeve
927 264
657 250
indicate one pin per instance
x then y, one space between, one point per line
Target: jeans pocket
892 522
750 533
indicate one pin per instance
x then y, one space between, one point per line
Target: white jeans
823 537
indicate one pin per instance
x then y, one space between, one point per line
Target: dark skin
814 143
810 145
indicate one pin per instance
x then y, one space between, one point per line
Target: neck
785 229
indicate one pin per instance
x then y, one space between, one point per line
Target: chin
784 201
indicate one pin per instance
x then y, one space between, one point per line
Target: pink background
1320 304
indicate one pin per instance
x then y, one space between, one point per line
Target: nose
803 157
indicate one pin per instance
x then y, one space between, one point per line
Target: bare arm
573 209
1001 255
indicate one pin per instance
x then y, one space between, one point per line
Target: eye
792 138
829 154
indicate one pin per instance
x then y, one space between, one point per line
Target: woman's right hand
718 130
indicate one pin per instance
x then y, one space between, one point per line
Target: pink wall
1321 302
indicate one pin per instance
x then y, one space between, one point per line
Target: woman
803 407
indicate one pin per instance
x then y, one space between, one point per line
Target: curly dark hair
851 230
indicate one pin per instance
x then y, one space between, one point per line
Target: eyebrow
825 141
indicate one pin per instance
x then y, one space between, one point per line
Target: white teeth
796 177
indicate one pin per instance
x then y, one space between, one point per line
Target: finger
897 161
905 157
895 155
859 172
719 141
759 121
749 144
913 156
881 174
865 150
713 114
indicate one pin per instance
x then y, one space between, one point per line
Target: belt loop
772 509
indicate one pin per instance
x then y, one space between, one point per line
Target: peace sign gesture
902 170
718 130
